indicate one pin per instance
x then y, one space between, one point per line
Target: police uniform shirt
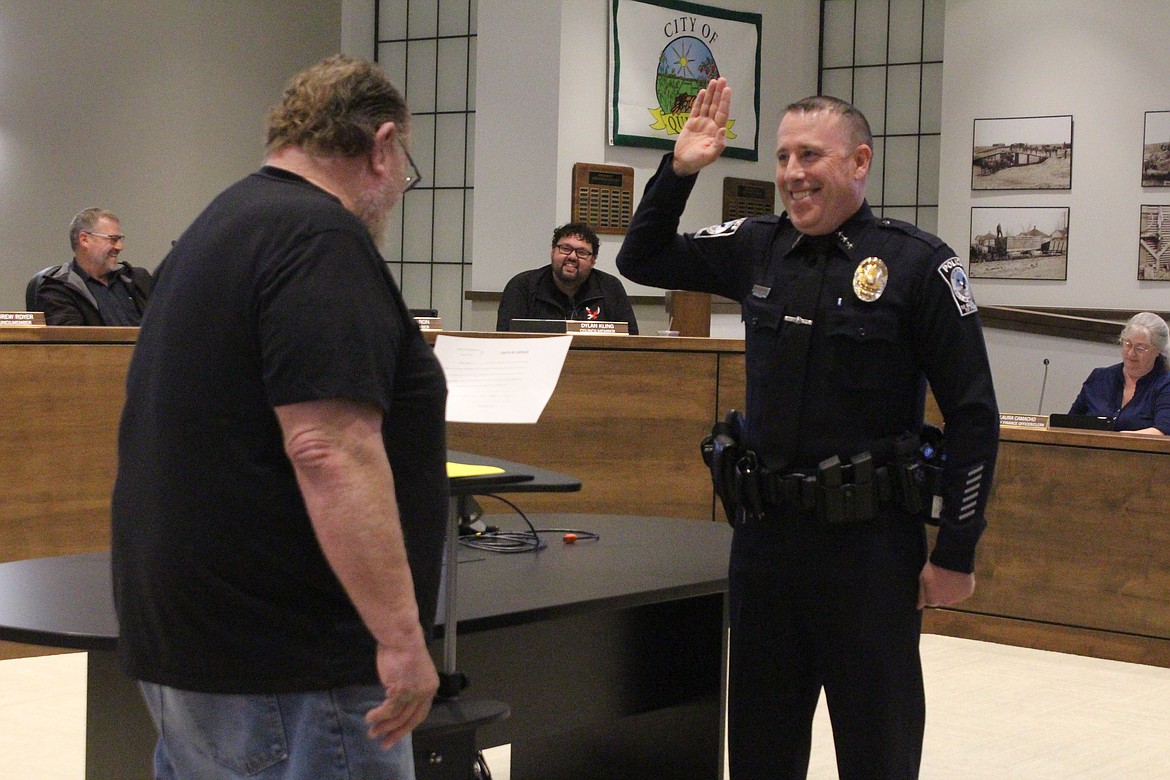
889 310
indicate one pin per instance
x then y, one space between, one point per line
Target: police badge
869 280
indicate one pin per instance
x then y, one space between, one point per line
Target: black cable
495 540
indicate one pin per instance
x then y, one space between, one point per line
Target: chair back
34 285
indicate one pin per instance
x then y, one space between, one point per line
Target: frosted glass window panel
391 21
934 18
422 147
837 42
885 57
447 290
454 17
905 30
416 285
417 218
873 189
469 167
904 82
838 83
391 243
901 171
468 222
420 76
904 213
869 96
928 219
872 18
448 244
472 62
450 150
392 60
930 116
452 78
928 167
423 21
395 270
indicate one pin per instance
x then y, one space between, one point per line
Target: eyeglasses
415 177
1140 349
115 238
582 253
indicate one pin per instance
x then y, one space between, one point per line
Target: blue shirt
1149 407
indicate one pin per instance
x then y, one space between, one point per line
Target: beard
374 207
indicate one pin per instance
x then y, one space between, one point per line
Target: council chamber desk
1075 557
609 652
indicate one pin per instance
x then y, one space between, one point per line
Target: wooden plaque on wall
747 197
603 196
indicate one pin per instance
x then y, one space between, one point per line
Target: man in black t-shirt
281 497
569 287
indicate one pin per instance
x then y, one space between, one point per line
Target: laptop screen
1082 421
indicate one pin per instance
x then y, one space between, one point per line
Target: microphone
1043 384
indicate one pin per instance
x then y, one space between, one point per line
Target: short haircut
858 124
1152 324
85 221
335 107
580 229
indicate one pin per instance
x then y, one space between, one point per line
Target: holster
722 451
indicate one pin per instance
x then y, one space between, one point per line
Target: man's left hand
939 587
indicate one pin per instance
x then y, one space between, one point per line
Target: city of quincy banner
661 53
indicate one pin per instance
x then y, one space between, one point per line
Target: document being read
500 380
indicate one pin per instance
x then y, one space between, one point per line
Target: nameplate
429 323
21 318
578 327
1023 420
595 326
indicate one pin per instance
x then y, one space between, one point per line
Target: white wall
145 107
1105 64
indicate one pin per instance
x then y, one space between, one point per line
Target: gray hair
85 221
1153 325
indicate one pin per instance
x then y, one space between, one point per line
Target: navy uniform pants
815 607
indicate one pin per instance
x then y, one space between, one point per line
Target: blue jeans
317 735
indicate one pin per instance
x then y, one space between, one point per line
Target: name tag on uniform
760 291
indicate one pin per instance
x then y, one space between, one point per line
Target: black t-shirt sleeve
324 312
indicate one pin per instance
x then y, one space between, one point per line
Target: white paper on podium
500 380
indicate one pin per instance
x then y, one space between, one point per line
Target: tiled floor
993 712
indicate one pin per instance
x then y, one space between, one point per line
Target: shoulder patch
912 230
956 279
721 231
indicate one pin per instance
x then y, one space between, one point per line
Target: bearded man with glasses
569 288
97 287
281 500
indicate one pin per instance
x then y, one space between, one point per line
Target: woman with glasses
1135 393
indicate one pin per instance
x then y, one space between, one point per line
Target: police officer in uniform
847 318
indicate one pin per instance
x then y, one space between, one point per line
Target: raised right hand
704 135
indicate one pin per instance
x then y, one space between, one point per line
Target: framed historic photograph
1156 150
662 52
1022 153
1019 242
1154 244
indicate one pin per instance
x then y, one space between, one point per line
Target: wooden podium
690 312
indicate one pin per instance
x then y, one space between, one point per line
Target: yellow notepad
470 470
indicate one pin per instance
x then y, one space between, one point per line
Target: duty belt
837 492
